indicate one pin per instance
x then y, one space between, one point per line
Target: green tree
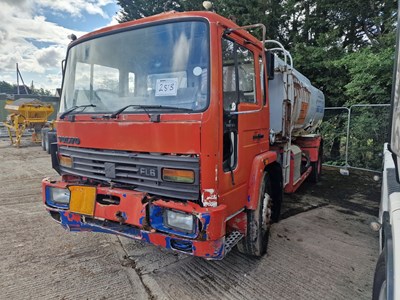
6 87
41 92
9 88
370 72
136 9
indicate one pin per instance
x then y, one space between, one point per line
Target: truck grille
141 170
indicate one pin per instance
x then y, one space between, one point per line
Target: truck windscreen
160 65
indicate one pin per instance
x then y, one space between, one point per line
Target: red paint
259 164
157 239
238 223
311 145
172 137
130 204
74 217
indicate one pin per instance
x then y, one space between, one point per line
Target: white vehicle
387 272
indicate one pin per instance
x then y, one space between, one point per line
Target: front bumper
135 217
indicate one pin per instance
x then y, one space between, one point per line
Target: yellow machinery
26 114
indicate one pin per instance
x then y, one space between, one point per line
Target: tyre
44 137
379 287
51 138
277 193
258 222
315 175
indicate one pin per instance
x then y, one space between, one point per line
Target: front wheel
258 222
51 137
44 132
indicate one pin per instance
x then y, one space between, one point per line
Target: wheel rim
266 213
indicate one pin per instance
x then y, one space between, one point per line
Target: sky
33 33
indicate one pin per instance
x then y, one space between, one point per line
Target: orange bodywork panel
174 137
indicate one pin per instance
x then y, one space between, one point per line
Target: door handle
258 136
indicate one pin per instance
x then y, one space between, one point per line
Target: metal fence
354 136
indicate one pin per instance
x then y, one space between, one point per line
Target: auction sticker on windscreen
167 87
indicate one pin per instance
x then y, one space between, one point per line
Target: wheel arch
261 163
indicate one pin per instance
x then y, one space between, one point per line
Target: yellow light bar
65 161
174 175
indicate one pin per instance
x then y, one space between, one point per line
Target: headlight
58 196
179 221
174 175
65 161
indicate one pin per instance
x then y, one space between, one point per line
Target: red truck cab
163 135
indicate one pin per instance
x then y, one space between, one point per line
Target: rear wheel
258 222
315 175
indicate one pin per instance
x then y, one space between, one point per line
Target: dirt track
322 249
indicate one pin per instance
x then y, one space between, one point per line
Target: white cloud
114 20
50 56
76 7
18 36
37 45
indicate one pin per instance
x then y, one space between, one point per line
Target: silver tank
304 111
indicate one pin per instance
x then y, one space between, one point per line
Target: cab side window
238 74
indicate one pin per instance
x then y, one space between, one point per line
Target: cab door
244 128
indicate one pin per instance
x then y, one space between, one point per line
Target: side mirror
63 66
270 64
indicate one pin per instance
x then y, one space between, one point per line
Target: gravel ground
322 249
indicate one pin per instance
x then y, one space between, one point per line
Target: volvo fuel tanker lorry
182 130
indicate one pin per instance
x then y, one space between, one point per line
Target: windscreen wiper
144 107
68 111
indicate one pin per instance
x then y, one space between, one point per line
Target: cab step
231 240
